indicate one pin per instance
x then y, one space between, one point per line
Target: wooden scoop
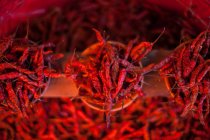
154 85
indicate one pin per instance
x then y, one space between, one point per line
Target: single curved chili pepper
24 56
187 61
52 73
204 71
195 74
53 57
121 78
206 92
10 75
103 79
12 97
107 66
13 65
99 37
95 81
179 69
197 44
200 109
128 49
40 67
142 49
114 70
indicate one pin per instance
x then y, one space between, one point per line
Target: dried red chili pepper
106 72
60 25
24 68
142 49
105 65
190 71
147 118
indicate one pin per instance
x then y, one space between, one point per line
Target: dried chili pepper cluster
150 118
108 78
25 68
111 72
189 67
123 20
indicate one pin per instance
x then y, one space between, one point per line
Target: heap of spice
122 20
109 73
187 71
125 19
25 71
149 118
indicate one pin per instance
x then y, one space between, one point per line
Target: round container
94 103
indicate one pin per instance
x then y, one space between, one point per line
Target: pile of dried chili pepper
149 118
109 72
188 73
24 78
122 20
25 71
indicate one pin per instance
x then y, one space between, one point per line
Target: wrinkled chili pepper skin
189 72
61 118
69 30
24 69
109 70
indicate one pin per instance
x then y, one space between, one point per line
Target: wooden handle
61 87
154 85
